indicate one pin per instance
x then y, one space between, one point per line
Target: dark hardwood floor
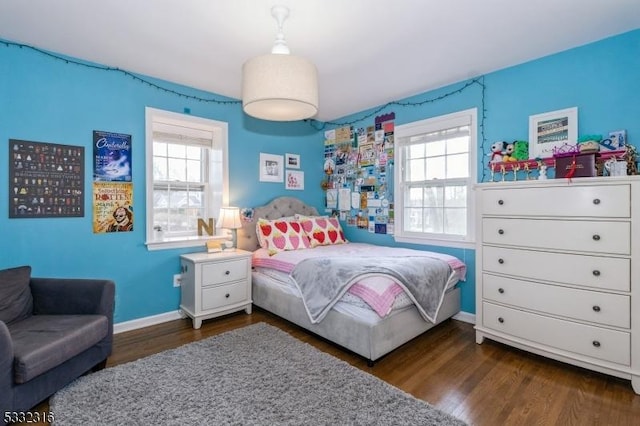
489 384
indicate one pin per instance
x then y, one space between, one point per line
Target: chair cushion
42 342
16 302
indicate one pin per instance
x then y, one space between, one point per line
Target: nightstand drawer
574 201
224 272
588 271
583 305
223 295
608 345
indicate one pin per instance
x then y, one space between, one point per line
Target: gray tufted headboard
277 208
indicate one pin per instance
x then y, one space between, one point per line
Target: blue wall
47 100
602 79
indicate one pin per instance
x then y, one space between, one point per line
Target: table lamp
229 218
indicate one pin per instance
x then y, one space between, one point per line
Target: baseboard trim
466 317
135 324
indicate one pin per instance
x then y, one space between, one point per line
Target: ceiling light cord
280 13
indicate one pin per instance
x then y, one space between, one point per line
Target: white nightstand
215 284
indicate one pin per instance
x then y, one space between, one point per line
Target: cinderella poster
112 157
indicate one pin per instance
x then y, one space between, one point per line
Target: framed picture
295 180
271 168
552 130
39 185
292 161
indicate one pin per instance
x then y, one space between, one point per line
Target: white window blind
188 177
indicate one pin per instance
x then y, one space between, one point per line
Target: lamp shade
279 87
229 218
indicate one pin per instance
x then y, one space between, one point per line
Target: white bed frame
371 341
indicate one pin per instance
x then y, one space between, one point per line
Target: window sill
174 243
435 242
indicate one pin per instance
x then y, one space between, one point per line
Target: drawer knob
596 237
596 273
501 261
501 202
501 231
596 308
500 320
227 272
501 290
596 343
596 201
227 295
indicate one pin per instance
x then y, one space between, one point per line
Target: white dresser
215 284
558 271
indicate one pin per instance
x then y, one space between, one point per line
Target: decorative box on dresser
215 284
558 271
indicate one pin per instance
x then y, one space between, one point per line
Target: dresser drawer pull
596 201
596 343
596 273
500 320
227 295
596 237
501 290
227 272
501 231
596 308
501 261
501 202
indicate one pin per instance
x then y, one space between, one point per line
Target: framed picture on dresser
552 130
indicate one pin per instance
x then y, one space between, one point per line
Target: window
186 177
435 170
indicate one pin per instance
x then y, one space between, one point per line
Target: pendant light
280 86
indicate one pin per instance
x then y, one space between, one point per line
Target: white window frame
430 125
220 132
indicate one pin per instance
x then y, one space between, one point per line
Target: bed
369 330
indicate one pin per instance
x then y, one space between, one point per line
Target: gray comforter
323 281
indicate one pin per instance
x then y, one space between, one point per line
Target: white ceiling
368 52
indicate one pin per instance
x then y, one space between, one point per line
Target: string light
123 72
317 125
483 112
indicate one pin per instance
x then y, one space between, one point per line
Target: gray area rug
256 375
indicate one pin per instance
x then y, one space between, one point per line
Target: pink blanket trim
377 293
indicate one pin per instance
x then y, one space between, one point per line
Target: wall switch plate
177 278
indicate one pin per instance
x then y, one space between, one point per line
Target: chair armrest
68 296
6 369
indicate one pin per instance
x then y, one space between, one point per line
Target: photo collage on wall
112 183
358 167
45 180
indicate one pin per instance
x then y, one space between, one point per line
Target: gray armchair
52 330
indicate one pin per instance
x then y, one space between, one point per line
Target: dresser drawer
223 295
593 236
575 201
582 270
604 344
585 305
224 272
